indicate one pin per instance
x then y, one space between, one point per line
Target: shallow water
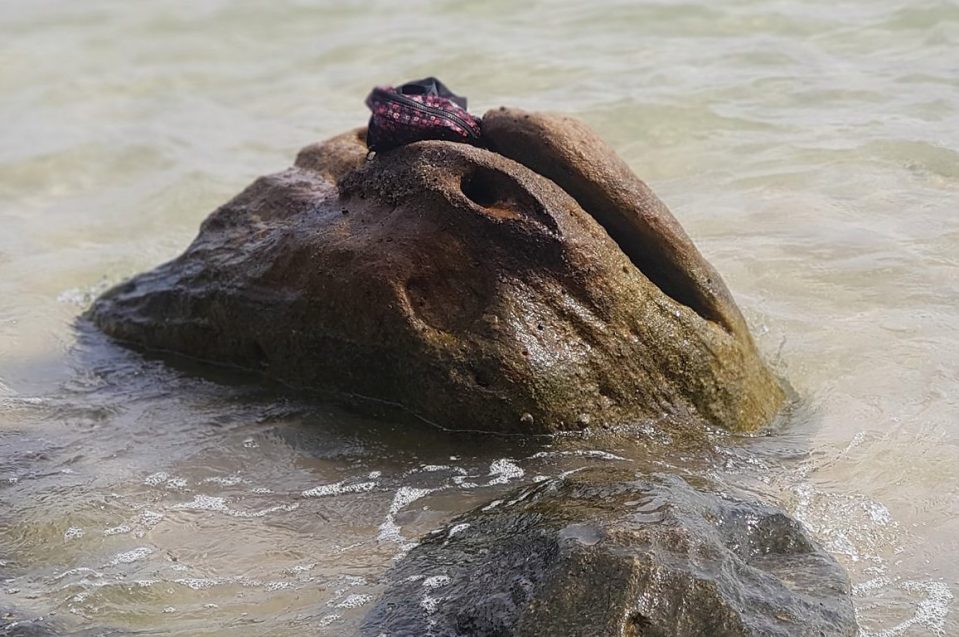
809 148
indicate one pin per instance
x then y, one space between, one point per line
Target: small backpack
423 109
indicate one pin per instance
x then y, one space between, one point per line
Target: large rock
476 291
603 553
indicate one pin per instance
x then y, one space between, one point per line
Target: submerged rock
532 294
12 624
607 553
30 629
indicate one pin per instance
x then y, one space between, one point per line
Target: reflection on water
812 149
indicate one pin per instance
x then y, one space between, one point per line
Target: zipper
432 110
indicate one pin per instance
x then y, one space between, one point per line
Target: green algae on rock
461 285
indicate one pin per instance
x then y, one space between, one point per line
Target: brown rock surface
569 153
463 286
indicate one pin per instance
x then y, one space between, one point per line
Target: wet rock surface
464 287
15 624
25 630
18 623
605 553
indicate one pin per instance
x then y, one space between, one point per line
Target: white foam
81 297
430 604
146 521
196 583
263 512
73 533
873 584
328 619
879 513
204 503
459 528
23 400
504 470
164 478
150 519
436 581
463 483
930 613
355 601
352 581
584 453
278 586
492 505
129 557
339 488
349 547
216 503
404 496
77 571
855 442
117 530
156 478
226 482
296 570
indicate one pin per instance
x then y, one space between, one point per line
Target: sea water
809 148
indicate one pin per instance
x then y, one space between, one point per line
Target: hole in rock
638 625
502 197
481 378
485 188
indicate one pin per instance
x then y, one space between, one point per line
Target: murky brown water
810 149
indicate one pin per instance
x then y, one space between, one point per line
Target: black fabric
431 86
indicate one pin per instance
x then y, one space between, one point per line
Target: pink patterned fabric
402 119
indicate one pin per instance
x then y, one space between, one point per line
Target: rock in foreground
603 553
462 286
